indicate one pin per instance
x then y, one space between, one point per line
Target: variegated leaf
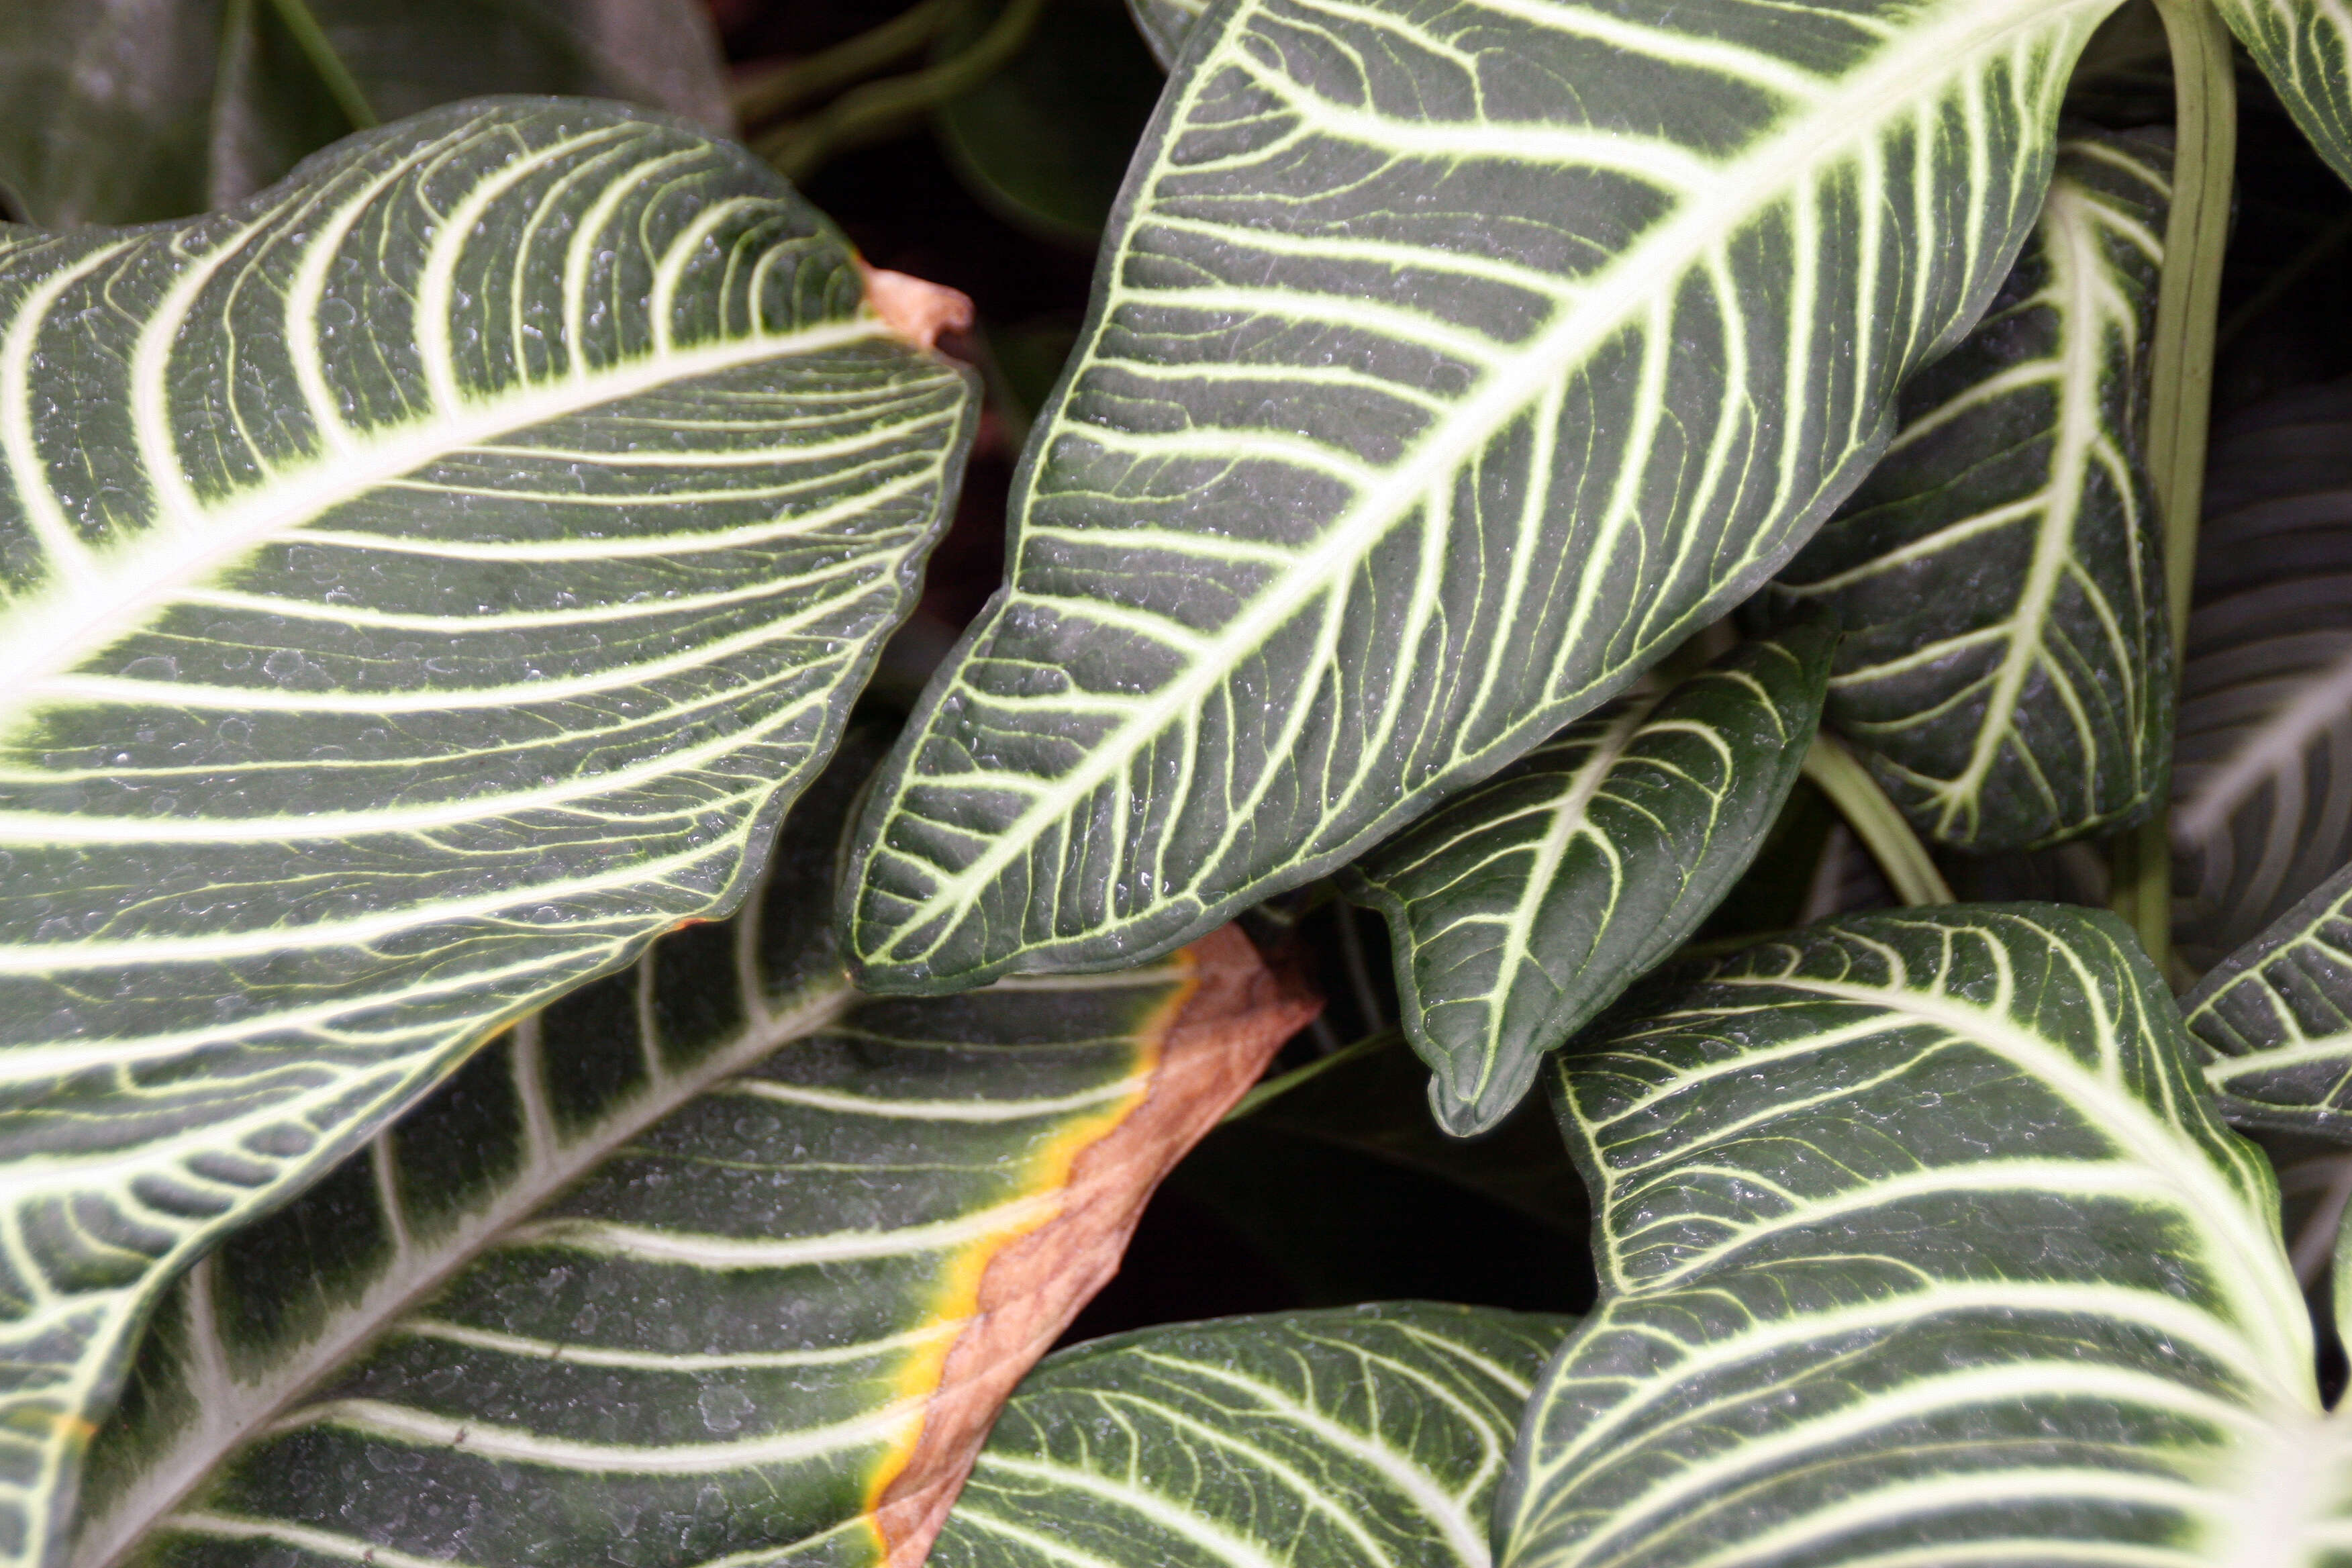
2007 672
599 1303
1522 908
2261 802
1921 1244
1448 367
2278 1016
1362 1438
2304 47
423 586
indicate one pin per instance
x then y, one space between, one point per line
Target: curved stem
788 86
1273 1088
882 109
1910 870
2189 301
342 85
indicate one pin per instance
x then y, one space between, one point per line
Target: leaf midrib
1636 283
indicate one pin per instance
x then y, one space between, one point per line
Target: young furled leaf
1447 369
1353 1438
1521 909
1921 1243
2007 672
612 1292
423 586
2261 799
2278 1014
129 111
2304 47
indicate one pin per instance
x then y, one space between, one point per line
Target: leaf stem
788 86
1874 819
883 108
342 85
2181 401
1274 1088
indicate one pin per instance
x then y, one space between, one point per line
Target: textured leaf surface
424 587
777 1314
2008 671
1522 908
2261 805
2304 47
1448 368
2278 1014
1165 23
129 111
1921 1243
1356 1439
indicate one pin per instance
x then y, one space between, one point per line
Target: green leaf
1920 1242
2261 799
1044 141
1445 371
425 584
776 1312
1522 908
2304 47
2278 1014
1165 23
1366 1435
2007 673
128 110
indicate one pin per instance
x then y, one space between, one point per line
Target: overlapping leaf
2008 671
2304 47
1448 368
1921 1243
1354 1439
423 586
2261 805
775 1316
2278 1014
1165 23
1522 908
130 110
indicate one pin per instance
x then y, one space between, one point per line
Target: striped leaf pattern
2262 804
1522 908
1921 1244
2278 1016
1363 1437
1449 366
2008 668
630 1302
423 586
2304 47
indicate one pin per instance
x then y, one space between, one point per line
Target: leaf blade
2304 48
1122 756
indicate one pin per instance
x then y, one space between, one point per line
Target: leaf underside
2304 48
771 1312
1522 908
1331 1439
423 586
1422 405
2007 672
2261 799
1920 1242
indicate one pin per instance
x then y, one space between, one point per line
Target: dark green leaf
2304 47
2278 1013
1522 907
1447 370
2007 673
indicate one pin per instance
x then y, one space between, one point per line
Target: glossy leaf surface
2304 47
1522 908
425 584
2007 672
1920 1242
2278 1014
1352 1438
1447 369
129 111
774 1315
2262 803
